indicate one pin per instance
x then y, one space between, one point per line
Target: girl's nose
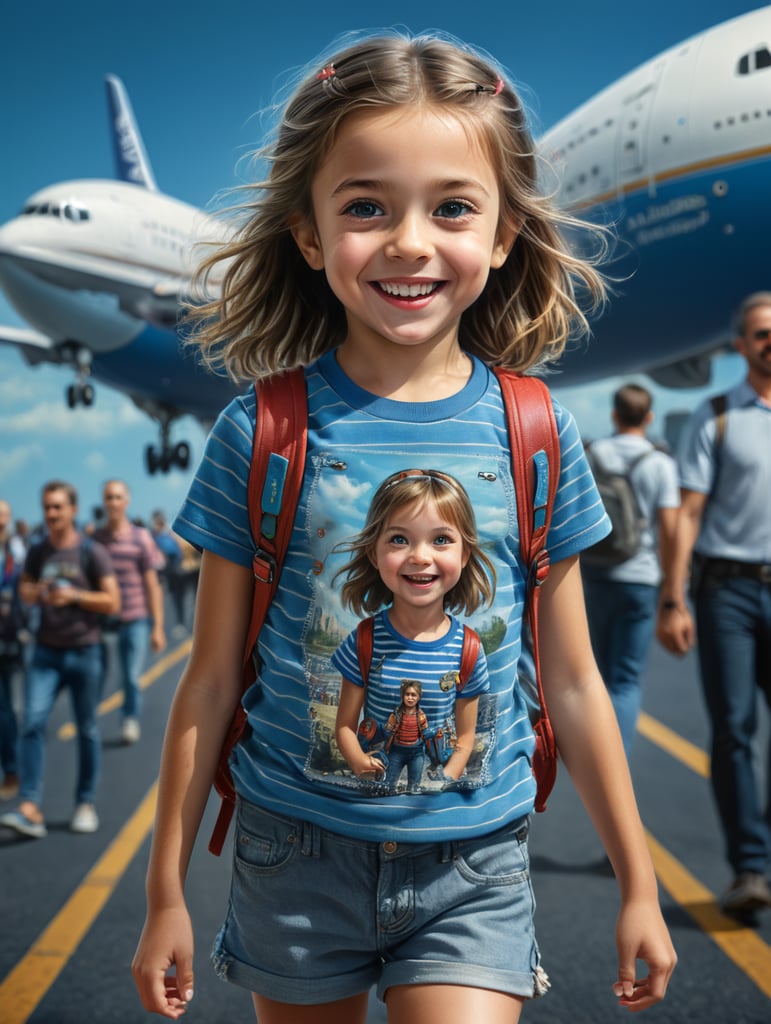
410 239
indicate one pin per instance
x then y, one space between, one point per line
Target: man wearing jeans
621 599
70 577
724 537
136 559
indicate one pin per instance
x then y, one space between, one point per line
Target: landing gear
165 456
82 391
80 394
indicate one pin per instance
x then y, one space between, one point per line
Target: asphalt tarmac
72 905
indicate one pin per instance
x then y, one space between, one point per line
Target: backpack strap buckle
264 566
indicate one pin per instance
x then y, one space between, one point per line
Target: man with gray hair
724 540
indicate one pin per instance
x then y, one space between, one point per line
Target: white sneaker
130 732
84 819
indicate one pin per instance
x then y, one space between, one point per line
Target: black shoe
748 891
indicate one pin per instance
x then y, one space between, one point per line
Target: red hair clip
327 72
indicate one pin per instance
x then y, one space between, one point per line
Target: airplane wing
140 292
34 347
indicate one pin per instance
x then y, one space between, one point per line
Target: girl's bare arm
203 706
590 746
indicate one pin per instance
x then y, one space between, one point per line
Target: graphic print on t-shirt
339 500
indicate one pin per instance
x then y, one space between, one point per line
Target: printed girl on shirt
398 246
418 554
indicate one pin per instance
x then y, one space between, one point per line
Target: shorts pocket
263 842
498 859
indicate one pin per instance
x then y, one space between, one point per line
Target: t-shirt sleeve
99 564
696 452
214 516
346 660
579 518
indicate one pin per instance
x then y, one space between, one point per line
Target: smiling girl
398 247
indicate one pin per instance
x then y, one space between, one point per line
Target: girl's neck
406 374
422 624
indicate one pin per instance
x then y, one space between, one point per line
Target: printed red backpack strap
534 442
365 632
275 479
468 658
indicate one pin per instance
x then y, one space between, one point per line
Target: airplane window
743 67
762 59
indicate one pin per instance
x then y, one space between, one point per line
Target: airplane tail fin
131 161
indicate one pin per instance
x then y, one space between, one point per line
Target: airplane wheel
72 396
151 459
87 394
182 454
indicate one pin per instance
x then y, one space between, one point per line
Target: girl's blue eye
453 209
364 208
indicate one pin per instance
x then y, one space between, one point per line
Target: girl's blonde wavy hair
364 591
273 312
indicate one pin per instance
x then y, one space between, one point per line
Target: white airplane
676 155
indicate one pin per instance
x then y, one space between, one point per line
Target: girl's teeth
407 291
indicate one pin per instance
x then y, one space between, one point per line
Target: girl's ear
307 239
505 238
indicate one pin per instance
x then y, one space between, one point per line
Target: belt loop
447 851
311 840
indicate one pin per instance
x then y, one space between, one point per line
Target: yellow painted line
67 731
26 985
681 749
741 945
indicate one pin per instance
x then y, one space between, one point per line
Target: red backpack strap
275 479
468 658
534 442
365 632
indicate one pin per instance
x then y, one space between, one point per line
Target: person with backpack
71 579
722 560
12 627
397 250
639 488
136 560
417 558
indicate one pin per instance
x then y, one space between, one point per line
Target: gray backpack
627 521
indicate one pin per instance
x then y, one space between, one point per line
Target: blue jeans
622 618
414 757
133 644
79 669
314 916
9 732
733 618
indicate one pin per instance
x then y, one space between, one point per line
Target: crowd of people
80 604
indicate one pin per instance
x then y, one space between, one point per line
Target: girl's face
406 209
419 555
410 697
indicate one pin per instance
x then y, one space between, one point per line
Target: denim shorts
315 917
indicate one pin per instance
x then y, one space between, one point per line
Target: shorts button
390 846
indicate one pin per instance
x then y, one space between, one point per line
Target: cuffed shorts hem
439 972
297 991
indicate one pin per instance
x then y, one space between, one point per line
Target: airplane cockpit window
757 61
70 211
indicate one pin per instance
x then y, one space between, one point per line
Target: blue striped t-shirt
289 761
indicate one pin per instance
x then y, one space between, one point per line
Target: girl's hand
642 935
166 942
368 767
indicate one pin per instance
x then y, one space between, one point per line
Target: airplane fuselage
675 157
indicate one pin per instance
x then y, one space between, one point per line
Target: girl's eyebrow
440 185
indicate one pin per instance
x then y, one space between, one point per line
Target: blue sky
197 76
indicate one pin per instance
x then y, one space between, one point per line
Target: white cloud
15 459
